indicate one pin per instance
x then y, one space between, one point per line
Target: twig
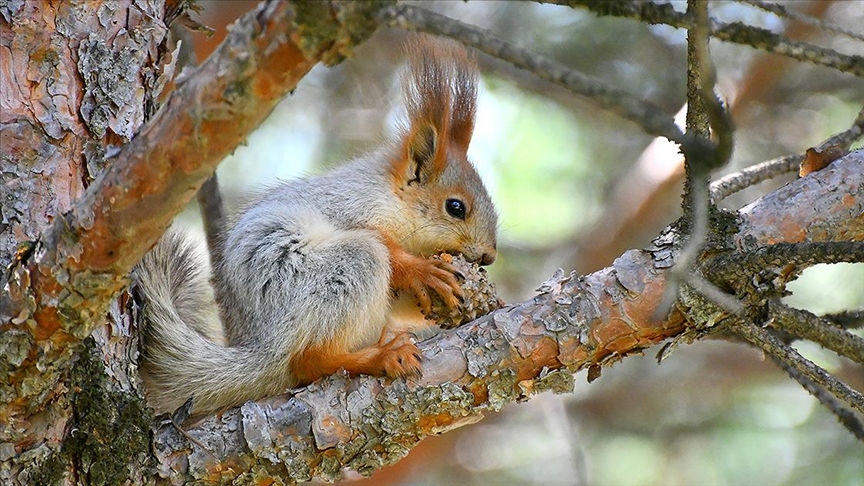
852 319
651 118
732 183
806 325
735 32
844 416
781 11
786 354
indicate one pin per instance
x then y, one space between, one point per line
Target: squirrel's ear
422 145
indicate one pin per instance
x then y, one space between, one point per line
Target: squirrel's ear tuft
440 88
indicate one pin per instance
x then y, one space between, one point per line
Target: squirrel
314 275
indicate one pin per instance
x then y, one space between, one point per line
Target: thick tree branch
57 291
573 323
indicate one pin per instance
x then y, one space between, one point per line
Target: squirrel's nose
488 258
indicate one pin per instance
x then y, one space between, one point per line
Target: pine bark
92 173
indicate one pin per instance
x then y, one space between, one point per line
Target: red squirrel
312 271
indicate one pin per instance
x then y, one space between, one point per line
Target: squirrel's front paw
439 276
400 357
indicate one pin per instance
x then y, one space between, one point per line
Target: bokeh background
575 187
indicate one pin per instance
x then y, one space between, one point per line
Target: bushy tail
183 351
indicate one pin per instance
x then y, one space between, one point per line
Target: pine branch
735 32
786 354
805 325
782 11
732 183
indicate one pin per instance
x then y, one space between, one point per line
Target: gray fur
302 266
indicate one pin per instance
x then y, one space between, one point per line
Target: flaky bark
89 91
91 85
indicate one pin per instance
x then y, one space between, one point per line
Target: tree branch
735 32
573 323
805 325
782 11
732 183
56 292
784 353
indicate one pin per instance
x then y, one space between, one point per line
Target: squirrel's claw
444 280
401 358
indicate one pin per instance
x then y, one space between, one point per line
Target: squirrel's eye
455 208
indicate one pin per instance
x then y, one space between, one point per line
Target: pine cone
478 294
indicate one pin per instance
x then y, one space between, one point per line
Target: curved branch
55 292
573 323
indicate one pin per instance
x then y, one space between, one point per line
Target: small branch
853 319
651 118
806 325
781 11
732 183
846 417
736 32
786 354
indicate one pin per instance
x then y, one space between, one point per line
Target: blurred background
575 187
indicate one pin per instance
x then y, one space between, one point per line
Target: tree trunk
81 205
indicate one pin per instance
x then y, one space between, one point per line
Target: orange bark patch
428 423
816 159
